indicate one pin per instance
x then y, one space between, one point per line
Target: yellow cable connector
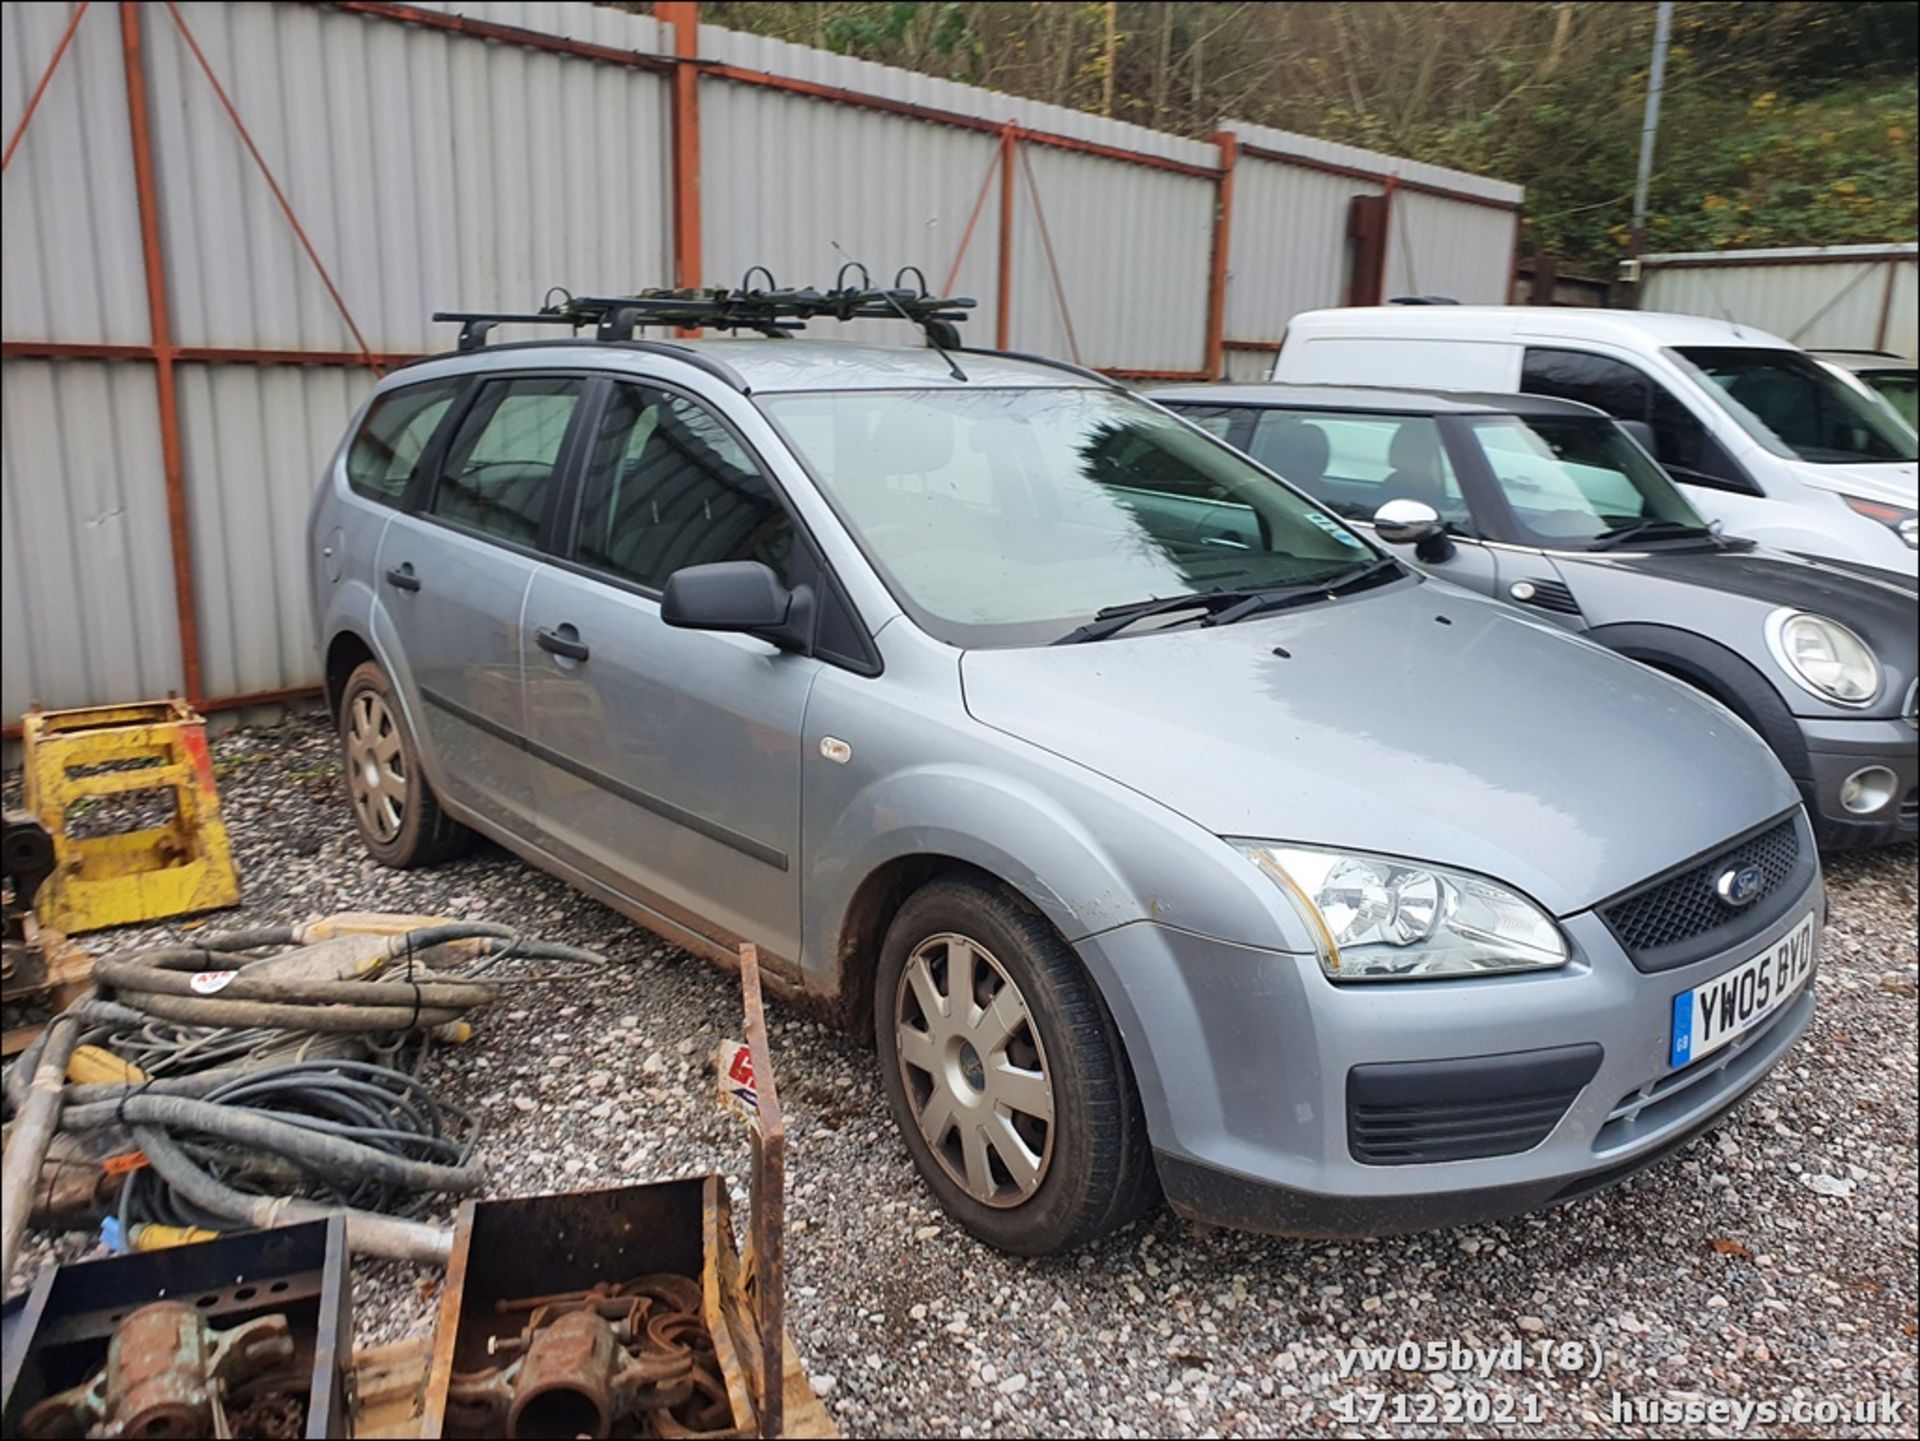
93 1065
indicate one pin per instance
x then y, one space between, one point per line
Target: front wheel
1005 1074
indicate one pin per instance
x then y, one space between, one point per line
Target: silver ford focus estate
1166 835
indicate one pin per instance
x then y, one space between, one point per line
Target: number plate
1710 1016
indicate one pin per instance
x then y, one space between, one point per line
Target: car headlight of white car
1823 657
1378 918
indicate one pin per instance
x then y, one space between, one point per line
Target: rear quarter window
391 440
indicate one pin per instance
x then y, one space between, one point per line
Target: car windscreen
1007 516
1796 407
1571 481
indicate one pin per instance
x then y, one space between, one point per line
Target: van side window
668 487
498 469
382 458
1681 442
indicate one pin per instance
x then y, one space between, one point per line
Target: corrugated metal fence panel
70 227
1448 247
86 578
1903 319
1289 245
1835 302
1134 247
429 170
571 19
255 439
800 62
1133 243
1374 162
801 176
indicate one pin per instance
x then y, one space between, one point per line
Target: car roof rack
768 310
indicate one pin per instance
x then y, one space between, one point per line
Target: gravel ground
1772 1261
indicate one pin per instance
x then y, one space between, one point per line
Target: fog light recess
1868 789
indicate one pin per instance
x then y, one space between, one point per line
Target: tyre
396 812
1005 1074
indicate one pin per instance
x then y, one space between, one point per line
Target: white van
1763 438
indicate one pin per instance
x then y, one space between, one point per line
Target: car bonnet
1417 721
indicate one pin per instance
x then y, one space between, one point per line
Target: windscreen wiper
1280 597
1648 530
1116 618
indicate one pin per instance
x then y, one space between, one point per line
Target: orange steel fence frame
685 70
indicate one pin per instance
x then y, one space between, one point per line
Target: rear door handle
556 644
401 577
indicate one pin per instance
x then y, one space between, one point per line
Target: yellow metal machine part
80 758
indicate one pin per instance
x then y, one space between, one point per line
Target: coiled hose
228 1116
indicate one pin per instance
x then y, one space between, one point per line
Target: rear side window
1354 464
499 467
384 455
667 487
1626 392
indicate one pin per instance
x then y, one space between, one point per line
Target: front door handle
401 577
556 644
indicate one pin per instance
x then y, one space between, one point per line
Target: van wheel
1005 1074
396 812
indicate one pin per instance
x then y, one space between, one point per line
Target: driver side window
668 486
1354 464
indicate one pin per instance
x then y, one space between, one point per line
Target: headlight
1824 657
1376 918
1904 519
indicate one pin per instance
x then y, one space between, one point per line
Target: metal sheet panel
70 224
802 177
1134 247
86 576
428 170
1835 301
1289 246
1449 247
1374 162
894 191
255 439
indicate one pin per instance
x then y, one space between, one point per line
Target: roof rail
770 311
1047 360
698 359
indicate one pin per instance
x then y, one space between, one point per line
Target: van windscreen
1796 407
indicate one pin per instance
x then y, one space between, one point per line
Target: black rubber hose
329 1155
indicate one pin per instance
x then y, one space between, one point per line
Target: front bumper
1244 1058
1838 748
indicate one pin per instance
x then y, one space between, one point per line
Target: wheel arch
1721 673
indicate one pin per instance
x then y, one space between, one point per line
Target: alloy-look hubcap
975 1073
376 767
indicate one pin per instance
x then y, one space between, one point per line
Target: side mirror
1643 436
1415 523
742 596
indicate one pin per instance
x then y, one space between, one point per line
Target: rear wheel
1004 1073
396 812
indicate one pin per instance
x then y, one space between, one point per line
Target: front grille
1406 1113
1910 808
1678 919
